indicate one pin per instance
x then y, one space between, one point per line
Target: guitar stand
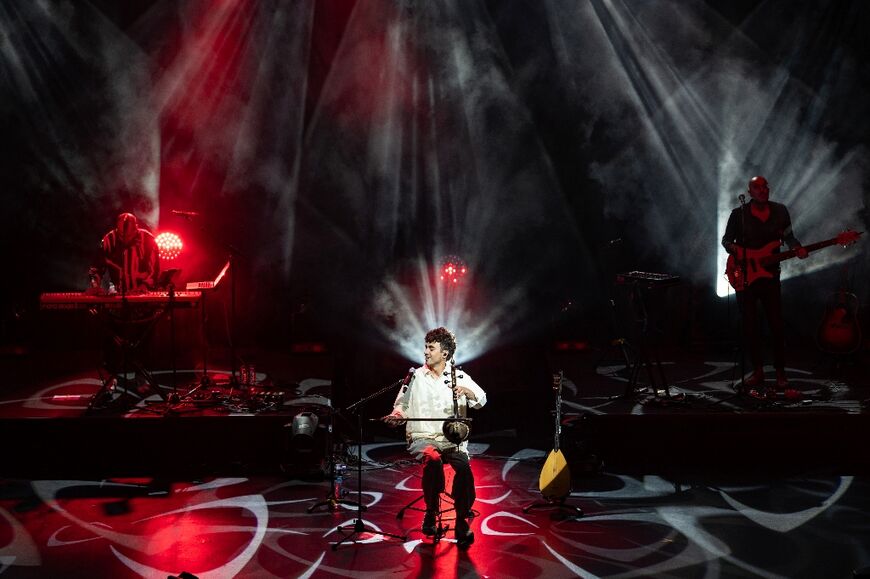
554 503
551 500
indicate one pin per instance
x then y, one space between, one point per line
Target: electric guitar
840 332
757 260
555 479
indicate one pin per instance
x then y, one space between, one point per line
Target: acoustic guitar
758 260
840 332
555 479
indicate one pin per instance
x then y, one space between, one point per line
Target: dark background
336 146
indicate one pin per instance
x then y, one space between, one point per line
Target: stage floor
259 526
688 482
62 384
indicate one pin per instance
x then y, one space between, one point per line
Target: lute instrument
555 478
455 430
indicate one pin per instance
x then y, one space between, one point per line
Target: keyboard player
130 256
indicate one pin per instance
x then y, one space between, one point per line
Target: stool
445 505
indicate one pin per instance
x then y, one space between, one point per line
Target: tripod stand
359 525
336 476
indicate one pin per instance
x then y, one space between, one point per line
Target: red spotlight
452 269
169 245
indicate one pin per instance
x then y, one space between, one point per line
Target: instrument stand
741 342
336 493
205 380
740 389
653 365
173 397
233 254
613 257
335 498
555 504
359 525
560 485
126 347
234 381
625 347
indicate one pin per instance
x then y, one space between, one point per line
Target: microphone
407 379
742 198
184 213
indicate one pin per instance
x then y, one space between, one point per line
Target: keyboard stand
119 330
645 355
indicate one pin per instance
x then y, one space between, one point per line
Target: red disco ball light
452 269
169 245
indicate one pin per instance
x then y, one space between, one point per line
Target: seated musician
131 257
429 394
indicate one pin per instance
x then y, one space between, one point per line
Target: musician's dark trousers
764 291
433 480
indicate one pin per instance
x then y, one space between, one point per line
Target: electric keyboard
647 279
81 300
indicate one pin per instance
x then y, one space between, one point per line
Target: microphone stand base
359 526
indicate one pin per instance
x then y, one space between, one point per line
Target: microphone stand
125 317
741 302
174 395
359 525
335 497
233 254
743 267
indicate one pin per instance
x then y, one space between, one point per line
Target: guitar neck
557 387
776 258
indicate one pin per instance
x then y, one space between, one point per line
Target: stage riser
774 443
659 444
116 446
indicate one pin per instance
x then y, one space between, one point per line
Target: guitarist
753 226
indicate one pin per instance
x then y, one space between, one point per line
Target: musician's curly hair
445 338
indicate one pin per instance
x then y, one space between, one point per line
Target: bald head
758 189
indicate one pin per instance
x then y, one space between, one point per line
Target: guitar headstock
848 237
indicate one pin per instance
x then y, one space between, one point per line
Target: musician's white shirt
428 395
